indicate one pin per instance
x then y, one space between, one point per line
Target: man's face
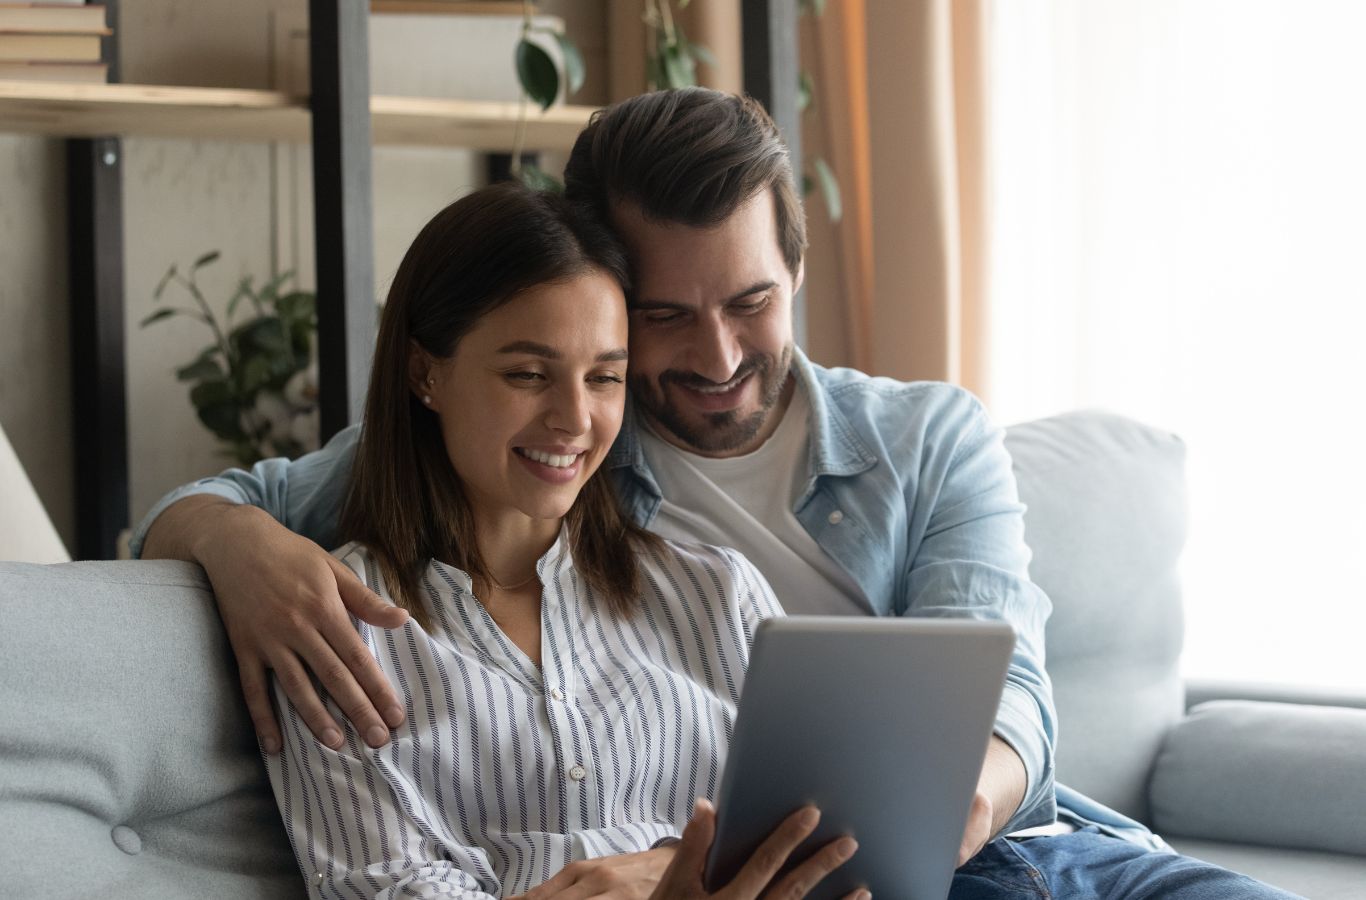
711 327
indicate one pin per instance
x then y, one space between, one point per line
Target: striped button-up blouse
504 772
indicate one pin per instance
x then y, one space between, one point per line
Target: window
1179 234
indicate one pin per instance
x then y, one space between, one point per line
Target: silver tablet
883 724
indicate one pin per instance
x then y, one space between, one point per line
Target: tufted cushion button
126 839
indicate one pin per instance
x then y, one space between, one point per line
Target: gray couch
128 768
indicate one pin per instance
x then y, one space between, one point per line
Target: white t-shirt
746 502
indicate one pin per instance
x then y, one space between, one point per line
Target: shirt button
836 517
578 773
317 879
557 693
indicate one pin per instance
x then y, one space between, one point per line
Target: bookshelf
341 121
126 110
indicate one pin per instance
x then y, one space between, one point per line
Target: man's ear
800 276
421 367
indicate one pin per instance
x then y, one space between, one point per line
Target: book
20 47
75 73
50 18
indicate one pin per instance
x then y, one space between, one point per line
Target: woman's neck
511 545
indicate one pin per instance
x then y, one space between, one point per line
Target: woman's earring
427 399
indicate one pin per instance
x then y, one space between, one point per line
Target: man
852 494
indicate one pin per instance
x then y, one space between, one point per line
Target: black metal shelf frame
344 236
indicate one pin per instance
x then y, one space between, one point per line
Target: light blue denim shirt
910 489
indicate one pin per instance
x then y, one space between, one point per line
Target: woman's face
533 397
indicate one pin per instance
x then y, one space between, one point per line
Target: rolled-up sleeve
971 561
305 495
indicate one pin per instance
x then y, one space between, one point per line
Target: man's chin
708 434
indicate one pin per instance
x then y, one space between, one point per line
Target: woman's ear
421 377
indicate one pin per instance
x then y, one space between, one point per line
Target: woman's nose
569 411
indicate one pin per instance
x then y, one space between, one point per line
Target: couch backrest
128 766
1106 521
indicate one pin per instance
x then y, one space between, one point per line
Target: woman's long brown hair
405 502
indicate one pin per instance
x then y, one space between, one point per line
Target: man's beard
722 431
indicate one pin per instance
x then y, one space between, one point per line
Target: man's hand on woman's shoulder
284 602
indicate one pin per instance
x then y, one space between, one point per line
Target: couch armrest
1280 774
1204 690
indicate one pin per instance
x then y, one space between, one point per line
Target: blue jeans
1089 864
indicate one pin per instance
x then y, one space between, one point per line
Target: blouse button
836 517
578 773
557 693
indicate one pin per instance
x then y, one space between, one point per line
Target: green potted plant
255 385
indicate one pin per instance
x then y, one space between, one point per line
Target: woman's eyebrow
548 352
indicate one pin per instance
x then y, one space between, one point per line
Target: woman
570 680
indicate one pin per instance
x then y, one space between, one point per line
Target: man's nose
716 351
570 411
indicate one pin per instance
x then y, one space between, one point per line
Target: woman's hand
284 602
625 876
683 880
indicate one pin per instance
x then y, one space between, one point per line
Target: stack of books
52 41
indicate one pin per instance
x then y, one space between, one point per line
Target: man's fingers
255 688
340 684
373 693
800 881
775 849
364 603
299 688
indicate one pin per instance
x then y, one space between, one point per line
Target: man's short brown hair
691 156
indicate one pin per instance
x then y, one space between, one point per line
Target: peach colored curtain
898 287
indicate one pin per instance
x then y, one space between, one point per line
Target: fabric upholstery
1265 773
1106 520
130 768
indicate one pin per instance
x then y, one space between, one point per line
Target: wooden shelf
95 110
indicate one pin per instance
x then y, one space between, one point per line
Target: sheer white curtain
1178 202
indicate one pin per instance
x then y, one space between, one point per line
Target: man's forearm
1004 781
181 529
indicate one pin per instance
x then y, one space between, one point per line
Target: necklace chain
512 587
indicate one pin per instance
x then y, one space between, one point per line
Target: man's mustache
751 365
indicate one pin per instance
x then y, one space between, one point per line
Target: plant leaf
157 317
679 69
204 260
805 90
221 419
538 179
574 69
256 373
213 393
830 189
165 280
202 369
243 290
264 333
702 54
537 73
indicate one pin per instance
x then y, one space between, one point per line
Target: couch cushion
1106 521
1278 774
130 765
1322 876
